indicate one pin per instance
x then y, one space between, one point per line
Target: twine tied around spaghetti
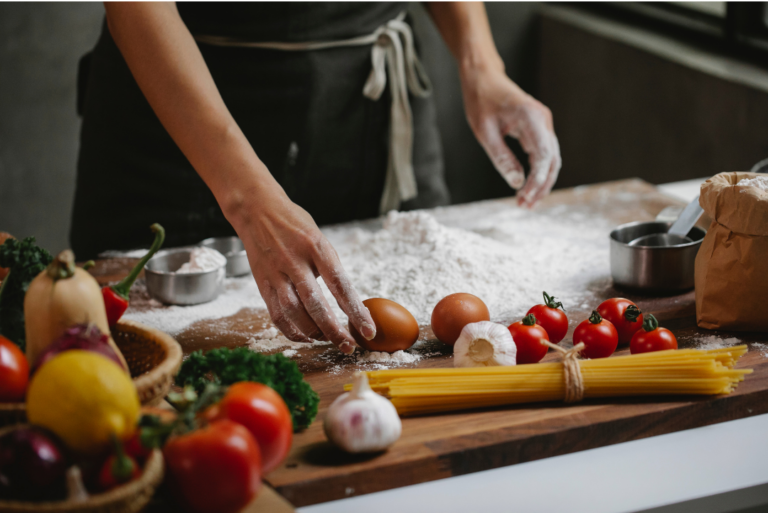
574 381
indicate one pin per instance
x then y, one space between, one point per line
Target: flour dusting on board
396 358
506 256
715 342
271 339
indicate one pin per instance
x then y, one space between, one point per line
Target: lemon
84 398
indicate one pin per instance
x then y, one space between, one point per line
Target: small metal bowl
233 249
165 284
659 269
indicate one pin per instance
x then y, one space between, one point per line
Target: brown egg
396 328
454 312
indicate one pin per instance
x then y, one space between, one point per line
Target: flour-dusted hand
496 107
287 253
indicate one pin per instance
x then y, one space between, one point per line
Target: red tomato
652 338
264 413
599 336
216 469
135 448
527 336
624 315
117 470
14 372
554 321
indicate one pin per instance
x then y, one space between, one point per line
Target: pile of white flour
416 261
507 258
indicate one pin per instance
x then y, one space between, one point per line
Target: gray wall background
41 43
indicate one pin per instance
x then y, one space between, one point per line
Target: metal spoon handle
687 218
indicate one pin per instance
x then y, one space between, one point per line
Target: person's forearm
171 72
465 29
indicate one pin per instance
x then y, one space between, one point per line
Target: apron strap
393 53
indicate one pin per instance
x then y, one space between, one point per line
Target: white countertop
664 472
627 477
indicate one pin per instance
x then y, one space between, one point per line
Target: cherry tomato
554 321
624 315
14 372
527 336
599 336
155 425
216 469
264 413
118 469
652 338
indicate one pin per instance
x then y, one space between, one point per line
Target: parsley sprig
227 366
25 260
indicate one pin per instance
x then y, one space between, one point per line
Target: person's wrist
478 61
245 202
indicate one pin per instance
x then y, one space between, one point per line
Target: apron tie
394 52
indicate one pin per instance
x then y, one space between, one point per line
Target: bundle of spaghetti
673 372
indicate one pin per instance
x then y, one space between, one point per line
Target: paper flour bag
732 263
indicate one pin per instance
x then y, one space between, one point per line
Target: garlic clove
361 420
484 344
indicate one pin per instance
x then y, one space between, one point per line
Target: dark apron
303 113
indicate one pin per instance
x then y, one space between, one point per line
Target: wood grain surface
439 446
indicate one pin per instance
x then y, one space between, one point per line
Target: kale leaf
228 366
25 261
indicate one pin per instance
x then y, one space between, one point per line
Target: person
267 119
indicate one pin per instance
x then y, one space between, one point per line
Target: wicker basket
153 358
129 498
12 413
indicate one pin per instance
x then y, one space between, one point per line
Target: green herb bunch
227 366
25 261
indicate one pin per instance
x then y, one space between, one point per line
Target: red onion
80 336
32 466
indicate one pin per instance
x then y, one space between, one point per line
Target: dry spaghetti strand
673 372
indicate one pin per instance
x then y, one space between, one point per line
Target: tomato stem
650 323
595 318
550 302
122 466
190 404
632 313
529 320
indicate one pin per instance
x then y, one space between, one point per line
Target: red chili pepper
116 296
118 469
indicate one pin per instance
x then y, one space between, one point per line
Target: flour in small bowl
761 182
202 260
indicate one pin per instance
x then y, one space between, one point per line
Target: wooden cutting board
439 446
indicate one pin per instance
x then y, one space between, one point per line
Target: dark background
627 101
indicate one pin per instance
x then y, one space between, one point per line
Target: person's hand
496 107
287 253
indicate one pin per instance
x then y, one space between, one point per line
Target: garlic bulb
361 420
484 344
